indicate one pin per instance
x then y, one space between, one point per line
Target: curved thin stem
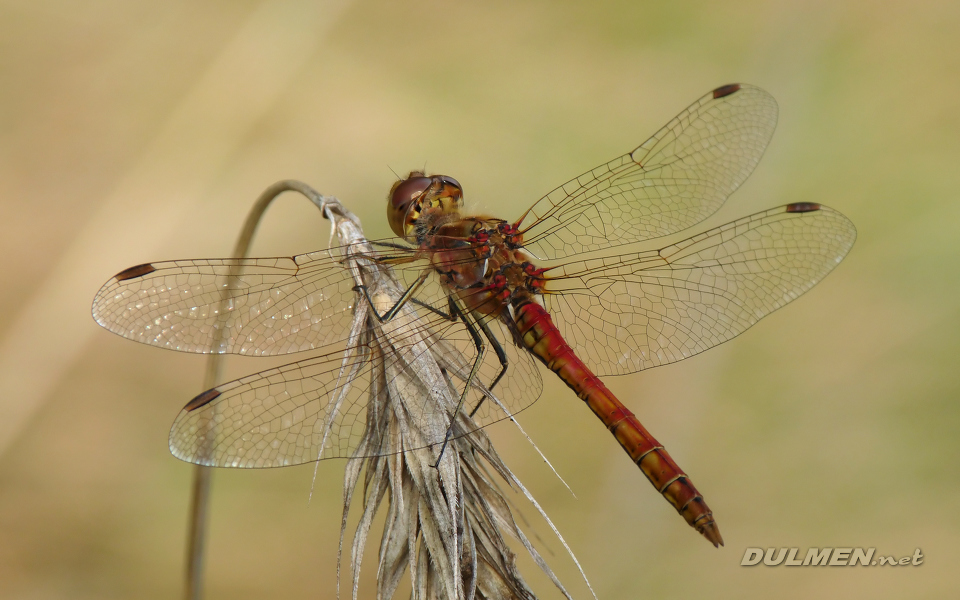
200 495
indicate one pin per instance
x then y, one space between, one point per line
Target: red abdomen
541 337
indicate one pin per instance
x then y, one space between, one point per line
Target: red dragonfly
495 293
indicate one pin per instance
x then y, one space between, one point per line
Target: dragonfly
557 286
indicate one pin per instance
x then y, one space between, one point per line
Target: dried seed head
447 524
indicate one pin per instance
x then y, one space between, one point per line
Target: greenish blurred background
138 131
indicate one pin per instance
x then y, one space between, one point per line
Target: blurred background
138 131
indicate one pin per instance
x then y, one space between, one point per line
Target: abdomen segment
542 338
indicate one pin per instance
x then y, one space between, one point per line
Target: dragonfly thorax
484 273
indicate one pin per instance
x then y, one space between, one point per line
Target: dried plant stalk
447 522
200 490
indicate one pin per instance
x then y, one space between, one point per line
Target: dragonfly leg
481 351
407 295
450 316
501 356
390 245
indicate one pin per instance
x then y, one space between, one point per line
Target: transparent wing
674 180
636 311
273 305
320 407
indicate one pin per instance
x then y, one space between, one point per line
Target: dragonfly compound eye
450 196
451 186
405 197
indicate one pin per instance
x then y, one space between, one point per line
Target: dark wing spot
725 90
802 207
134 272
201 400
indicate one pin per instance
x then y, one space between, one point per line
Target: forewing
674 180
252 306
636 311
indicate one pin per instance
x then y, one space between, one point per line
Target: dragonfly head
420 196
